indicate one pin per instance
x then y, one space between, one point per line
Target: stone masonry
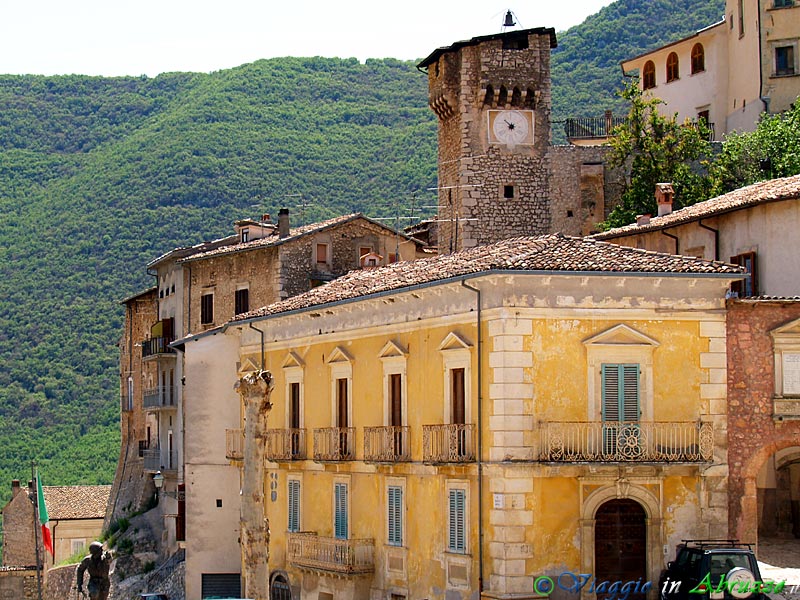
754 435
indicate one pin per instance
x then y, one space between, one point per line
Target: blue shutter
456 541
294 505
340 511
395 515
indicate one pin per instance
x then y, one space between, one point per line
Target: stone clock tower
492 97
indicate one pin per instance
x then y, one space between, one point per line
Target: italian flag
44 518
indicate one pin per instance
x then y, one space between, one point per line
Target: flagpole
35 479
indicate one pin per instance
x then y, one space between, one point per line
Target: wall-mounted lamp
158 481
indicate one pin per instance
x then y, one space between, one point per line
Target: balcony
155 460
286 444
335 443
448 443
331 555
387 444
607 441
157 346
591 128
234 444
160 397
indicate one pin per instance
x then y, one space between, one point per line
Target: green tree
658 149
772 150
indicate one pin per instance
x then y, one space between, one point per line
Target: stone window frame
294 372
322 240
395 362
794 69
464 486
620 344
298 478
341 367
345 480
456 354
785 341
396 482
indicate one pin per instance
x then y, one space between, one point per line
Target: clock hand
510 125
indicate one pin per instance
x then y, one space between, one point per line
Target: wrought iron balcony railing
591 127
160 397
387 444
625 441
345 557
286 444
448 443
234 444
335 443
156 460
157 345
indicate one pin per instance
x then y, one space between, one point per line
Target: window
456 521
340 511
698 59
322 254
746 287
508 192
786 345
620 392
294 505
394 494
649 75
206 309
741 18
457 397
242 301
783 3
673 68
784 60
77 545
363 251
245 235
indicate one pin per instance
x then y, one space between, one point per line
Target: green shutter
620 392
340 511
294 505
456 539
395 515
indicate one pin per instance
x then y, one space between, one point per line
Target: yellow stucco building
457 427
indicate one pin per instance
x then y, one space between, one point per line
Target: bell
509 22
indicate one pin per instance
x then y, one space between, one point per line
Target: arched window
698 59
672 67
649 75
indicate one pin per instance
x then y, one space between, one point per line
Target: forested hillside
98 176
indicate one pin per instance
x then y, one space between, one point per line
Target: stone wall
19 546
583 189
753 434
61 584
18 584
131 488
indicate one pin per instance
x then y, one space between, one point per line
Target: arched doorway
279 588
778 495
620 541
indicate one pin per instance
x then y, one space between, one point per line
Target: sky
148 37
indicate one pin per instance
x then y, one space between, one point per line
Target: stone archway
620 541
648 503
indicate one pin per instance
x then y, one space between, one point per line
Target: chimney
642 220
664 197
15 488
283 223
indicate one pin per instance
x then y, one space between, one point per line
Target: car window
722 563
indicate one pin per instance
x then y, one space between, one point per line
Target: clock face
511 127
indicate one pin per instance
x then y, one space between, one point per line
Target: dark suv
712 570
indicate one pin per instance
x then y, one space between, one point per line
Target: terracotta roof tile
773 190
555 252
76 501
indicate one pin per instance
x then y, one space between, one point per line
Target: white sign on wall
791 373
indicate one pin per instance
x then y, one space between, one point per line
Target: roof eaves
674 43
434 56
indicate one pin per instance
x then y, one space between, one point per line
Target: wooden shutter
456 528
620 392
395 515
294 408
341 402
294 505
458 399
396 400
340 511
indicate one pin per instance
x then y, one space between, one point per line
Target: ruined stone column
255 389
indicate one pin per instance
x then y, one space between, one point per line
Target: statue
97 563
